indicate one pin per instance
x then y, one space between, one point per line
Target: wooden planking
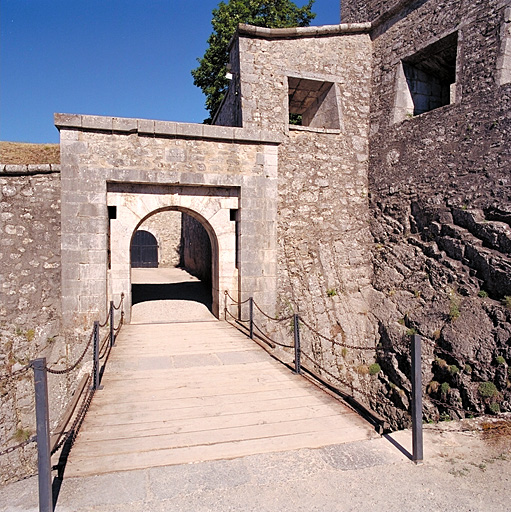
151 425
176 393
147 412
189 454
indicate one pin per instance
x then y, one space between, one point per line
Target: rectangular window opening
313 103
430 77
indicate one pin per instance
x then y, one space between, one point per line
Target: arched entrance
210 207
178 287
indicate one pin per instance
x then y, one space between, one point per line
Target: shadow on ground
192 291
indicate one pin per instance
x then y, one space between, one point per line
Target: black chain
71 368
283 319
335 342
73 431
33 439
120 302
234 300
272 340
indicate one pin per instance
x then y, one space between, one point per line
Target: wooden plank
186 455
124 413
92 448
205 408
153 425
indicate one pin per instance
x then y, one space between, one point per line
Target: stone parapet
322 30
165 129
27 169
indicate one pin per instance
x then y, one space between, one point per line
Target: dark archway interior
144 250
186 277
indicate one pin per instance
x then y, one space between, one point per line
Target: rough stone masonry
358 174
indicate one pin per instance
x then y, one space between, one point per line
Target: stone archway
211 206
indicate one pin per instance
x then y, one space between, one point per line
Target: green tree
210 74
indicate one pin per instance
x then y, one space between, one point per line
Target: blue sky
125 58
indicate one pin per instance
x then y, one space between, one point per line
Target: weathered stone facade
142 167
440 202
30 303
324 241
385 211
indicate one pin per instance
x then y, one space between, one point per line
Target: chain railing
318 371
49 443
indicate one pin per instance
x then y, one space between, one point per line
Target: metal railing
49 442
312 367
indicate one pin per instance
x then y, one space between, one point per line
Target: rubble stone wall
441 211
30 326
195 249
324 263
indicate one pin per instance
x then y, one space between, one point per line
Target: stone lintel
165 128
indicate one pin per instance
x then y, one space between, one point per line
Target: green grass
374 369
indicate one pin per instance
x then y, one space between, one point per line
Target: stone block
146 126
97 123
165 128
124 124
67 120
39 168
189 129
91 210
15 169
93 305
218 132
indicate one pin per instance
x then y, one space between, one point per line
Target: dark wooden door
144 250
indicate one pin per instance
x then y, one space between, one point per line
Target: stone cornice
28 169
154 128
295 32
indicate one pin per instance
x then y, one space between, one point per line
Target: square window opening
313 103
427 79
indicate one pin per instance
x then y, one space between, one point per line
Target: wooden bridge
186 392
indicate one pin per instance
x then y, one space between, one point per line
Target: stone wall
359 11
324 263
30 327
195 249
166 227
170 165
441 210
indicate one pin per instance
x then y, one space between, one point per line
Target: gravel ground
462 471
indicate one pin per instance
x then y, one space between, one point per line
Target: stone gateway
358 174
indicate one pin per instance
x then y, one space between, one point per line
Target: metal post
417 439
95 384
43 435
251 312
112 339
296 320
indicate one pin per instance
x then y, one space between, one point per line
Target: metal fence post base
112 332
296 325
417 437
43 435
95 382
251 312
